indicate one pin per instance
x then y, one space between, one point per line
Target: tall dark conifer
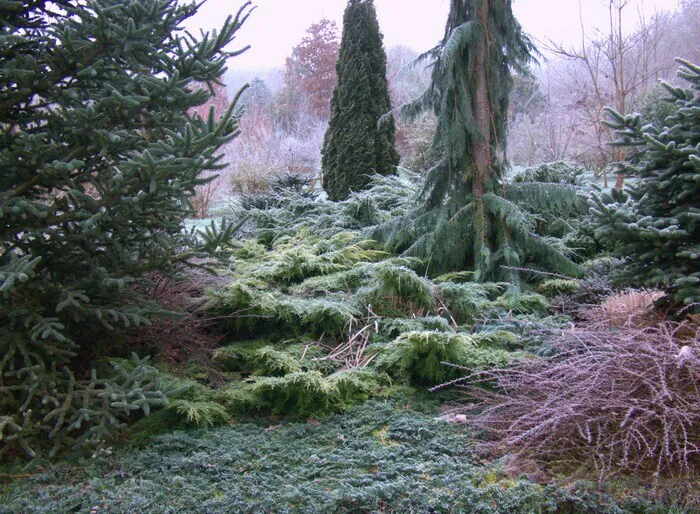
355 146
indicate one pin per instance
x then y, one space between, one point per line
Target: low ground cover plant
378 457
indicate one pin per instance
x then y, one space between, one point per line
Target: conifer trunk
481 146
481 151
620 181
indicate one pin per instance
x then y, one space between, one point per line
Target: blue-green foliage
466 216
380 457
559 172
654 224
90 411
391 196
554 195
533 332
100 156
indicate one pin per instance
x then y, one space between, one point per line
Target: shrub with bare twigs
204 196
188 334
624 400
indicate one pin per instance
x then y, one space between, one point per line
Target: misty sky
276 26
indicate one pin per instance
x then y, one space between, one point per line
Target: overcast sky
276 26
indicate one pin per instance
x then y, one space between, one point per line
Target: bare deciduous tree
407 80
610 67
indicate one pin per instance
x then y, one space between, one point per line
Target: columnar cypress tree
99 159
656 226
466 220
355 146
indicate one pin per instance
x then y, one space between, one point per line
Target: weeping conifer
466 219
354 147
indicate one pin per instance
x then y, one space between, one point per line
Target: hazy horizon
276 26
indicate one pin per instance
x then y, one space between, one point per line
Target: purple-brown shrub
620 400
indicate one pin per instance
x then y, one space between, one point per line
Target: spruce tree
466 219
100 155
355 146
655 224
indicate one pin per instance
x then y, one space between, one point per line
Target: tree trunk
481 148
620 181
481 152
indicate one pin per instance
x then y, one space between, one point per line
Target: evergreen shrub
465 301
100 156
250 311
420 357
310 393
558 286
382 456
397 290
653 225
